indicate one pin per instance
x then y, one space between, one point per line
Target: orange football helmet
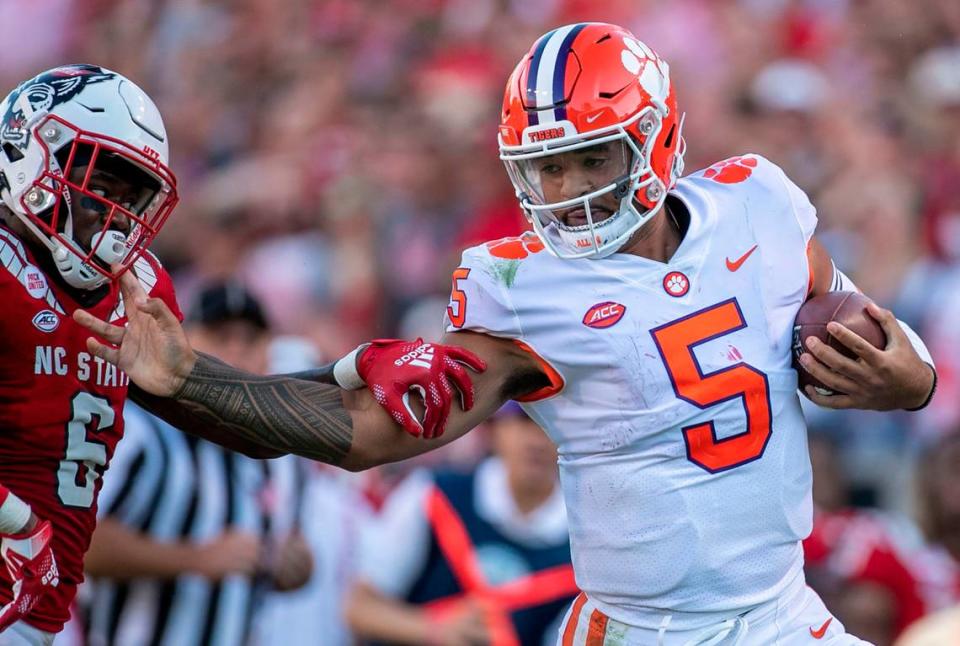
591 89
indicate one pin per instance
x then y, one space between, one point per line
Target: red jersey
61 409
939 575
859 545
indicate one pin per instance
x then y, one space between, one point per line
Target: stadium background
336 155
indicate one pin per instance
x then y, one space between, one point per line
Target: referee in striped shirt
191 536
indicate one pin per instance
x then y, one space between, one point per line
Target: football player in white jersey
646 324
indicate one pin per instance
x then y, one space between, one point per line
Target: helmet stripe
541 91
545 72
560 71
532 75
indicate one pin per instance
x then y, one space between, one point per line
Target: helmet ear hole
623 187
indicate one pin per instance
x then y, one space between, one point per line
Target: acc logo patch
46 321
604 315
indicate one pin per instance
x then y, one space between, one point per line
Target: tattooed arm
196 420
280 413
321 375
267 416
261 416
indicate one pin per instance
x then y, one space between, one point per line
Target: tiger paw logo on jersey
676 283
604 315
515 248
731 171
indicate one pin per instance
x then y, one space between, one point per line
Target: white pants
23 634
798 618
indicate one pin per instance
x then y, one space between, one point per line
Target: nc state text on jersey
52 360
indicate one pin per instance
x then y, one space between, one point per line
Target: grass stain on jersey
615 636
505 271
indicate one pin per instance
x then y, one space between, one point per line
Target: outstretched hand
152 349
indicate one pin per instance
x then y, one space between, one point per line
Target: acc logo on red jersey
46 321
604 315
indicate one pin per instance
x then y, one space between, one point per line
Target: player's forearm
277 412
321 375
185 419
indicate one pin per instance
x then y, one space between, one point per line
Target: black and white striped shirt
174 487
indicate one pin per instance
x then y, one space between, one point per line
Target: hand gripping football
847 308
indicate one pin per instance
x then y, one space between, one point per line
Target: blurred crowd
335 156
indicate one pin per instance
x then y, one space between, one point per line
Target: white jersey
683 451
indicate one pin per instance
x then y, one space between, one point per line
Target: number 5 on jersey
457 309
676 341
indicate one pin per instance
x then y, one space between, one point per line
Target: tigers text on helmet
594 96
75 117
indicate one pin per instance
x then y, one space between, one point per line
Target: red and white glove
392 368
32 567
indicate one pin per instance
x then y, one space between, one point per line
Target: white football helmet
75 116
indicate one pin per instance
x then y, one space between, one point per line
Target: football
846 308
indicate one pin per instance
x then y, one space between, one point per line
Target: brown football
846 308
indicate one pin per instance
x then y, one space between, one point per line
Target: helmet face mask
57 174
585 89
594 178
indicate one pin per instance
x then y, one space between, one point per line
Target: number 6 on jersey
676 341
75 487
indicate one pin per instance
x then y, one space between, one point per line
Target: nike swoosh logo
818 634
734 265
593 118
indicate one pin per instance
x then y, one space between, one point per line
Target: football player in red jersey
84 188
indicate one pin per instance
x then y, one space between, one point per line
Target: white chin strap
110 248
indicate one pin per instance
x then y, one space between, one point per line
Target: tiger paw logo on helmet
731 171
515 248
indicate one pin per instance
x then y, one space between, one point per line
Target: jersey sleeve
162 287
772 192
783 221
479 298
